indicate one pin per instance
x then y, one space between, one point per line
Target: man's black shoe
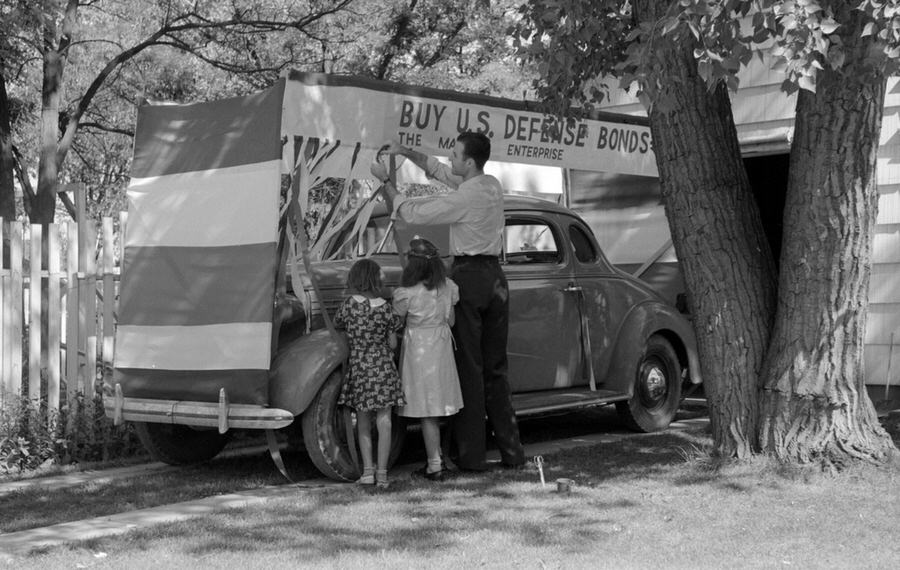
433 476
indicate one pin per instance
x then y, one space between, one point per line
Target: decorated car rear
233 265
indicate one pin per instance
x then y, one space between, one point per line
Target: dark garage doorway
768 176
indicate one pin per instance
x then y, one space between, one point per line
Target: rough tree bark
814 402
7 191
718 236
56 41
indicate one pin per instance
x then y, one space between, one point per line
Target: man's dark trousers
481 331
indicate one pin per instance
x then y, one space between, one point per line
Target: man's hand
392 148
379 171
387 189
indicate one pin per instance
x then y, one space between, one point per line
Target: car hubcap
653 385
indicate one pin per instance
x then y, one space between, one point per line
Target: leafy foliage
31 436
574 46
803 36
579 46
117 54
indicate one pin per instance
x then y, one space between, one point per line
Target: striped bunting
200 255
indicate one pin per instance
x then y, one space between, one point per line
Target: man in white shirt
475 214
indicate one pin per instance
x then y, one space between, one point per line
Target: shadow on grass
641 482
417 516
38 507
335 523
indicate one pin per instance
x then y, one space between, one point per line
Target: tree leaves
803 36
125 52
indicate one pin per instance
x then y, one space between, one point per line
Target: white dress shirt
474 210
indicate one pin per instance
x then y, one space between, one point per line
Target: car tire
179 444
325 433
657 388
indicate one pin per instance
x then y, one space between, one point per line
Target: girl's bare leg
383 422
431 433
364 433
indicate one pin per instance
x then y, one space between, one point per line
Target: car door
543 347
606 297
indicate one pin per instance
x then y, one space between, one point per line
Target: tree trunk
44 206
814 401
7 190
718 236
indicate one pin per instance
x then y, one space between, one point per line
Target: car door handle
571 288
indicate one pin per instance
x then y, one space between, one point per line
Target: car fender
302 366
643 321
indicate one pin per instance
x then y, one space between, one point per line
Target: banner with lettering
368 112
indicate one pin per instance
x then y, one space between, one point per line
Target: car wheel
657 388
180 445
325 433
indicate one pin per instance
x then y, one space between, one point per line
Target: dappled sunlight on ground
660 489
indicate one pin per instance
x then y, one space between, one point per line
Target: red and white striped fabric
199 266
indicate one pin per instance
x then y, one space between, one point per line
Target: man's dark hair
475 146
423 265
365 277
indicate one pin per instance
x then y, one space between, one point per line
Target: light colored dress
428 369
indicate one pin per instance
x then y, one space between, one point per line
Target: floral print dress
373 381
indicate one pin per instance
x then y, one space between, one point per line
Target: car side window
530 241
585 252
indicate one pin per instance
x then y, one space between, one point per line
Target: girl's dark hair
365 277
423 265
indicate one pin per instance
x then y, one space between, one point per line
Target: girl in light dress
373 384
430 382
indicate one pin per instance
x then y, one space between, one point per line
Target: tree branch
106 128
190 21
28 192
445 44
401 23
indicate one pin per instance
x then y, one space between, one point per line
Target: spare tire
325 433
179 444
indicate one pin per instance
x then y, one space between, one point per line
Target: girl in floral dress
428 369
373 384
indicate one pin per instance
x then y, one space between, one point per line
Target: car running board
548 401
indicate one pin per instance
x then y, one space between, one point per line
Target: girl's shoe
381 479
368 477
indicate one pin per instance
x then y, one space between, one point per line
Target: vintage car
581 332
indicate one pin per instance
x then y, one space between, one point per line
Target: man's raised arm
380 171
390 192
417 158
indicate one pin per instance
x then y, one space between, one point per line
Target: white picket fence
72 352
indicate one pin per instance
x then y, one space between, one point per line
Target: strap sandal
368 477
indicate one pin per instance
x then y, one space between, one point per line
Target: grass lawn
32 508
644 502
